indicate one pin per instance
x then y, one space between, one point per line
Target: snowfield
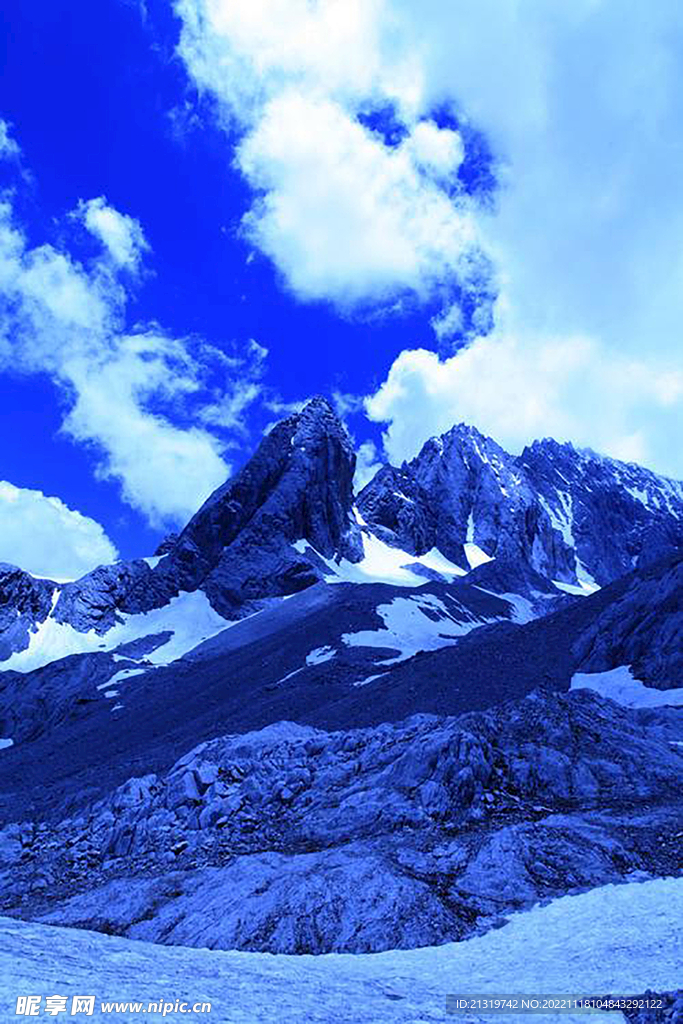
382 563
189 618
413 624
620 685
617 940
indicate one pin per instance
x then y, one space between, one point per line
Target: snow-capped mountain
314 723
553 519
572 515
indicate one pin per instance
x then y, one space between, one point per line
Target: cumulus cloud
42 535
165 471
345 214
345 217
516 390
142 400
121 235
582 106
583 102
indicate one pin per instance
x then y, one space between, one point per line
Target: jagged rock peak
572 515
298 486
301 473
260 535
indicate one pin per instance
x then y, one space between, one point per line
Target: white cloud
346 404
8 146
165 472
343 215
246 51
367 464
584 103
121 235
515 390
142 399
42 535
439 150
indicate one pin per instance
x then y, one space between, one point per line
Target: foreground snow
620 685
616 940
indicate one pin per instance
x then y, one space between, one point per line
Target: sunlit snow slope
617 940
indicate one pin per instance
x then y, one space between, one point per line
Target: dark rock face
238 547
619 513
570 515
399 510
24 602
93 601
643 628
167 544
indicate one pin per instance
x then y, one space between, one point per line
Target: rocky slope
334 656
402 751
295 840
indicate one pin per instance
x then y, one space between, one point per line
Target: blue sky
214 210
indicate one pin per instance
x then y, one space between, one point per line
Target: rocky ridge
571 515
291 839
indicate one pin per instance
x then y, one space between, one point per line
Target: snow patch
475 555
320 655
620 685
382 563
470 528
522 608
370 679
189 617
5 743
584 577
580 589
125 673
433 559
289 675
412 624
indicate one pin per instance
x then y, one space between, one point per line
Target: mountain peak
298 486
571 514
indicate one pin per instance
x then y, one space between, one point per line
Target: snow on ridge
620 685
382 563
189 617
562 520
580 589
615 939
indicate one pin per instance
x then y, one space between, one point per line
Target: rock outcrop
295 840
